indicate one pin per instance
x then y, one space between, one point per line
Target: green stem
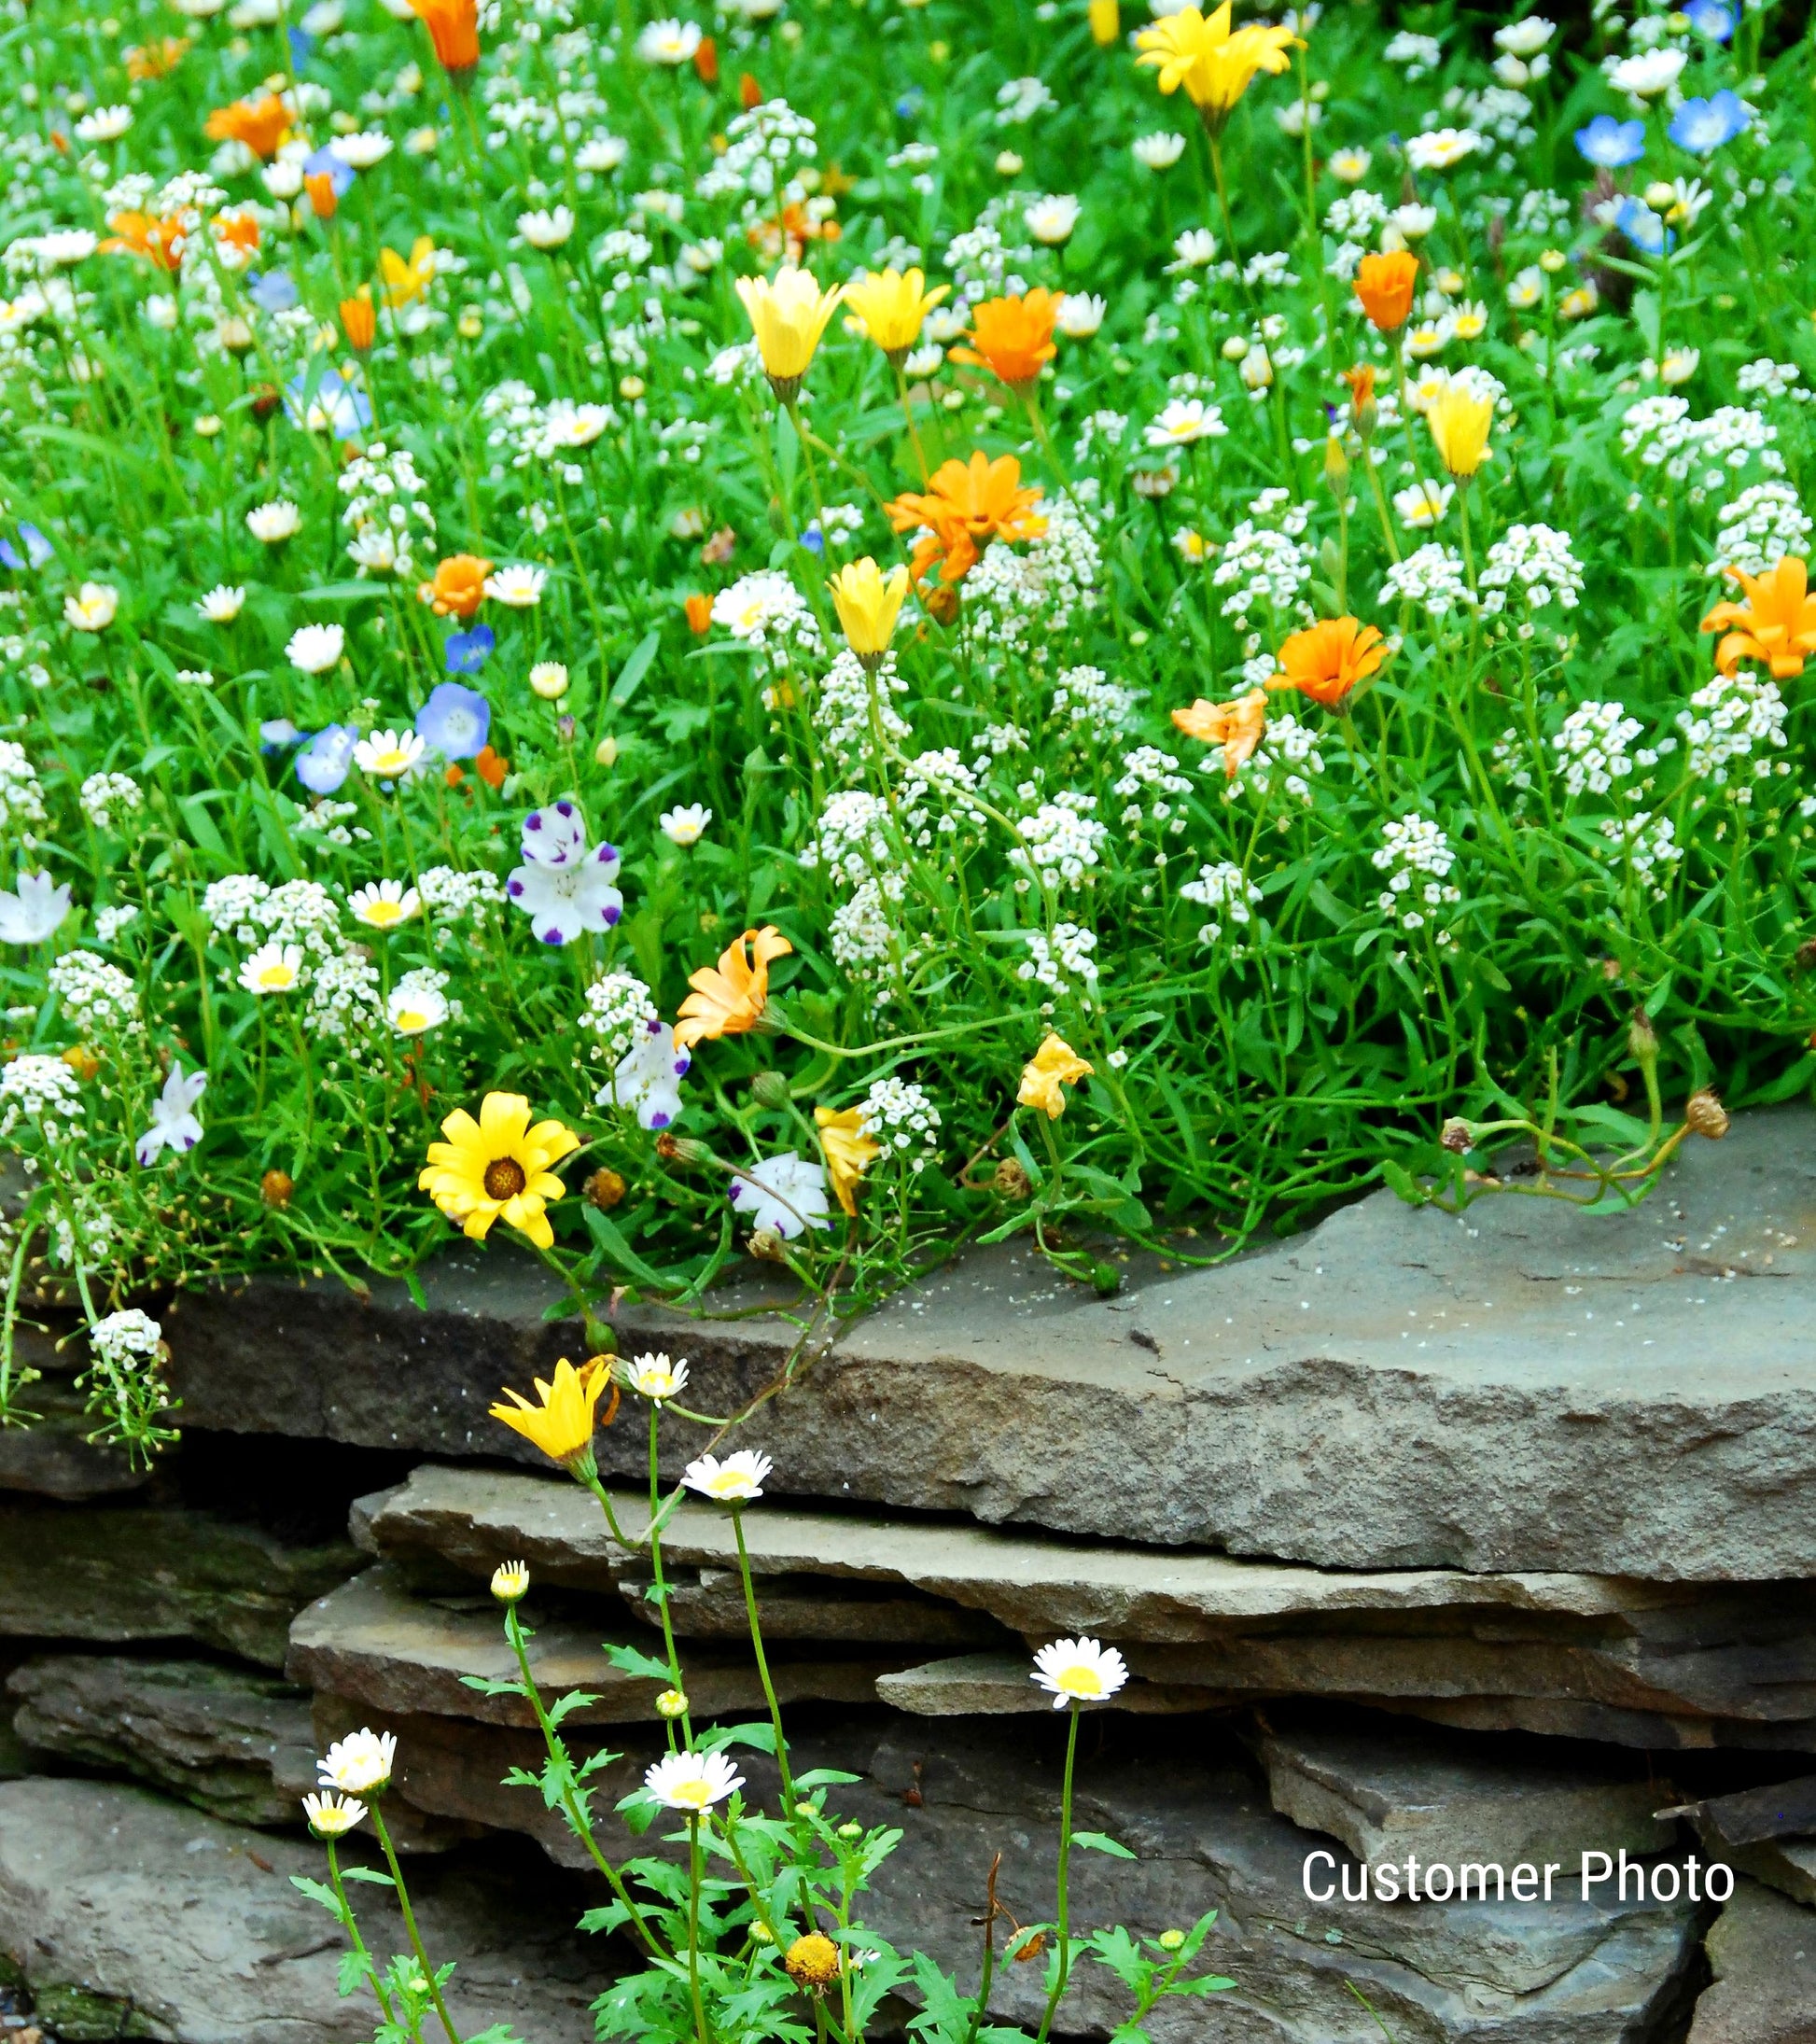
352 1923
762 1665
1062 1914
410 1924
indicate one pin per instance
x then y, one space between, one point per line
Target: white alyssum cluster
128 1341
1758 528
852 839
37 1088
1730 729
617 1009
1064 964
1265 561
453 897
1592 748
1060 844
1417 858
345 995
1097 708
1432 577
96 997
1227 891
1648 845
22 799
899 1115
766 612
1149 775
107 799
1660 433
1534 562
842 715
1019 598
387 511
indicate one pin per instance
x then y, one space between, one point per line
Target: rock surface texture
1506 1391
1763 1954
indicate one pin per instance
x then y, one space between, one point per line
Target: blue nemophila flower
273 290
336 404
1642 226
455 720
1702 126
1710 18
466 652
336 169
275 732
1610 144
38 549
302 47
326 760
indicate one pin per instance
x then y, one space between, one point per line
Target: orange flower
454 28
1384 289
1326 661
705 60
1360 381
238 229
729 998
749 93
145 235
1013 337
359 317
1236 726
966 506
261 124
1776 623
700 614
155 60
491 768
459 588
323 198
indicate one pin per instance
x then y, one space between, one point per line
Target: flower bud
771 1090
672 1703
1642 1039
686 1151
1170 1940
766 1246
1705 1115
604 1189
1458 1136
1660 196
1011 1181
275 1188
511 1580
1336 467
813 1962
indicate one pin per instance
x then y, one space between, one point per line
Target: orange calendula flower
730 998
1013 337
263 124
1328 659
492 767
159 241
849 1151
1236 726
1776 623
966 506
239 231
155 60
699 609
323 201
1047 1075
1384 289
458 587
454 28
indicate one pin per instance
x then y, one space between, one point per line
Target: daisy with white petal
362 150
1079 1671
738 1480
174 1123
390 755
1158 153
1184 420
314 648
93 608
1052 220
518 588
1423 504
330 1815
360 1764
685 825
549 680
222 604
384 905
668 42
274 522
691 1781
412 1011
1080 315
546 228
273 969
654 1377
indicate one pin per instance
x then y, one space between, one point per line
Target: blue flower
813 540
1610 144
302 47
336 402
274 292
910 104
38 549
277 733
325 760
1710 18
455 720
1643 226
468 651
336 169
1702 126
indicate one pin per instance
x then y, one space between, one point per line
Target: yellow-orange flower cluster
1236 726
964 507
1013 337
1328 659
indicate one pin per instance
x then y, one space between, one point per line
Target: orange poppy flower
1384 288
966 506
454 28
323 200
263 124
1327 659
1776 623
1236 726
751 95
1013 337
699 610
459 588
159 241
730 998
359 318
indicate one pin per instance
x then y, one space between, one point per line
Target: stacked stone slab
1482 1536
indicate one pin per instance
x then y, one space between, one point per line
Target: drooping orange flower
155 60
263 124
728 998
159 241
966 506
1327 659
1013 337
1236 726
454 28
359 318
750 93
458 587
1384 289
1776 623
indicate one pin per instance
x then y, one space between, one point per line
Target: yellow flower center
382 915
273 979
694 1795
411 1022
1081 1681
504 1178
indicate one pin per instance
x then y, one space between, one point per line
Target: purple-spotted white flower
648 1079
563 886
174 1123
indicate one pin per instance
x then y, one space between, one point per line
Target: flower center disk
504 1178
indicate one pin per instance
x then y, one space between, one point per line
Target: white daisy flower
519 588
330 1815
359 1763
1079 1671
693 1782
275 522
654 1377
390 755
273 969
384 904
93 608
222 604
686 825
412 1011
316 647
738 1480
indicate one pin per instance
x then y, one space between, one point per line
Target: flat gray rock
1762 1951
1386 1793
373 1641
54 1458
191 1930
106 1574
1003 1686
227 1739
1523 1388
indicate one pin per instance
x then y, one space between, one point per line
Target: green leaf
1100 1841
631 675
631 1660
607 1232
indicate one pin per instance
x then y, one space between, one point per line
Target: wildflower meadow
824 630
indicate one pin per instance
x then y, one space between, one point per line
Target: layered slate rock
1522 1388
181 1927
1649 1665
1762 1952
231 1741
107 1575
54 1458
